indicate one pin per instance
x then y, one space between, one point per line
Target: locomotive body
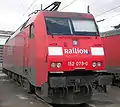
111 44
60 54
111 40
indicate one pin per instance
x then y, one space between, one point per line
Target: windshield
66 26
58 26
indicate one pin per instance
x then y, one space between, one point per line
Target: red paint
112 51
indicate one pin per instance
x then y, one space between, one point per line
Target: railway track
95 102
13 77
8 85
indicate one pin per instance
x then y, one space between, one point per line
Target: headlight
53 65
94 64
99 64
58 65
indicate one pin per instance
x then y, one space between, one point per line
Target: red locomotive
111 41
60 55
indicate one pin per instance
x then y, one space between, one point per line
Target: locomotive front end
72 69
75 57
67 57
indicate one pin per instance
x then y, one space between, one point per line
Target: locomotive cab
74 42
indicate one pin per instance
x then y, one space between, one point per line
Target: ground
13 95
111 99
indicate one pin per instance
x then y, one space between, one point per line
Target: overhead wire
108 18
113 16
68 5
108 11
27 10
29 7
21 6
36 0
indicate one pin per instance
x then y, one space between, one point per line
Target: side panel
19 56
13 54
19 53
30 57
8 51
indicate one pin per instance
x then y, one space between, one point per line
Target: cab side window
31 35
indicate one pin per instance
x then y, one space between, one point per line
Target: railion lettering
75 51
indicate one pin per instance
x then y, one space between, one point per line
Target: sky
14 12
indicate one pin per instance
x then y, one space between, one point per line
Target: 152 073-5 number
79 63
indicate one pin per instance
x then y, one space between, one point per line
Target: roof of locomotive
61 14
111 33
54 14
67 14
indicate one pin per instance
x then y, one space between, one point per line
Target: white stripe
55 51
97 51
